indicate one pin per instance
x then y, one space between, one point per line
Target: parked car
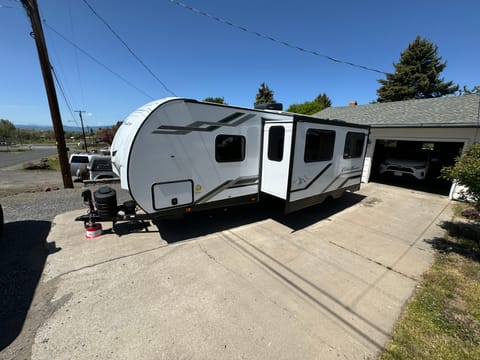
405 167
100 167
78 165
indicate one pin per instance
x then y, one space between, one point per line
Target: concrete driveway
325 283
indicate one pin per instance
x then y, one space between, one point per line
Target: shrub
466 172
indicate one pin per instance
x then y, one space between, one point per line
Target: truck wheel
82 172
1 221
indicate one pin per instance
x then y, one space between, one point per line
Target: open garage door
414 164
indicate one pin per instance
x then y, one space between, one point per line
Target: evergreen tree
474 90
416 75
324 100
264 95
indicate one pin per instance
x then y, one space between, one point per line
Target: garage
414 164
410 141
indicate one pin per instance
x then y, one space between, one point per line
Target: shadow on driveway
23 252
209 222
465 241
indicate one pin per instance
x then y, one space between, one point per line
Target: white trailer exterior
178 155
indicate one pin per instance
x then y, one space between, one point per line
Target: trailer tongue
178 155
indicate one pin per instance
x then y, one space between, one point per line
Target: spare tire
1 221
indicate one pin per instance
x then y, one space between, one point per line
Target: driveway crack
111 260
374 261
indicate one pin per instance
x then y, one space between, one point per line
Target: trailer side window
354 145
276 138
319 145
229 148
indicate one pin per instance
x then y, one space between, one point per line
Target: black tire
1 221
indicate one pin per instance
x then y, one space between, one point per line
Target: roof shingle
444 111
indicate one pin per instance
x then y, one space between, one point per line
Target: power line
63 94
271 38
98 62
127 47
11 7
75 51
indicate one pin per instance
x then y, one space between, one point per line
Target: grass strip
442 319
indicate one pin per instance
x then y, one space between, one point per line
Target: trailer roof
296 117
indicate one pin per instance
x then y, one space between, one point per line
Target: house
431 130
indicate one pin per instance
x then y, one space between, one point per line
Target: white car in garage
405 168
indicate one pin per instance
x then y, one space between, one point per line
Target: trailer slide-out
177 155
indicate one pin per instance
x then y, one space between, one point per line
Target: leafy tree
416 75
466 172
307 108
324 100
321 102
217 100
106 135
7 129
264 95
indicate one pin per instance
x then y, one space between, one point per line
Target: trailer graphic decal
314 179
347 179
197 125
230 184
354 175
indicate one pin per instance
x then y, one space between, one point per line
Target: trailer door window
229 148
319 145
276 138
354 145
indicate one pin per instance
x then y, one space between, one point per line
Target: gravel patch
48 204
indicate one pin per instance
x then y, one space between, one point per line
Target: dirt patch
15 180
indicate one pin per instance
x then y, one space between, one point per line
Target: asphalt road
10 158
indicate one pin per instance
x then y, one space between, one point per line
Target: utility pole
83 129
32 11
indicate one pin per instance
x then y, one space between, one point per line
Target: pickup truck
100 167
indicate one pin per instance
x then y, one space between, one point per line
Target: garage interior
436 154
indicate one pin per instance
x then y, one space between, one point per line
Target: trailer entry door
276 158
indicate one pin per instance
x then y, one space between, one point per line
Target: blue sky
196 57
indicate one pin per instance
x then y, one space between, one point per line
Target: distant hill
65 128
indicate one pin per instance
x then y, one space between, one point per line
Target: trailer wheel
338 195
1 221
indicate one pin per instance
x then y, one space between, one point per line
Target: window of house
229 148
276 138
319 145
354 145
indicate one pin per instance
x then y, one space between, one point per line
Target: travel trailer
178 155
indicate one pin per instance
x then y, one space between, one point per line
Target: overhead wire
128 47
67 102
97 61
75 51
11 7
273 39
59 73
